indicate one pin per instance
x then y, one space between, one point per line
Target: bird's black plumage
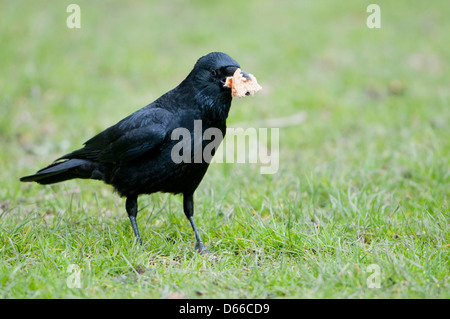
134 155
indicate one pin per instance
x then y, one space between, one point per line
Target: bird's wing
135 135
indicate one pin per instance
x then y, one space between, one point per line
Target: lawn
359 207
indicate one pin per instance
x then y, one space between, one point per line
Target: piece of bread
241 86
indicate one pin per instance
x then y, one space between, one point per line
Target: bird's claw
201 249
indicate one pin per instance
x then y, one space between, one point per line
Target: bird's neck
216 109
213 105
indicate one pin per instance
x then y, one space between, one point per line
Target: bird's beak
238 87
245 75
231 69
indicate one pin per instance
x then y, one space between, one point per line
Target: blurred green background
370 159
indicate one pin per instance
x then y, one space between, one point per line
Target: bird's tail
58 172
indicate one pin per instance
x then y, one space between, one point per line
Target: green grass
363 180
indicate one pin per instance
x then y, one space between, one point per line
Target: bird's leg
131 206
188 205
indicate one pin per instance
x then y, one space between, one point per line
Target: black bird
135 155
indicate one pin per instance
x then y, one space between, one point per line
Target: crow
135 155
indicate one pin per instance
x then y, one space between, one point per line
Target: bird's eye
213 72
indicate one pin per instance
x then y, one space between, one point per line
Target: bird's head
210 73
214 68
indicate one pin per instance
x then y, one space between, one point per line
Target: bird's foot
139 243
201 249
